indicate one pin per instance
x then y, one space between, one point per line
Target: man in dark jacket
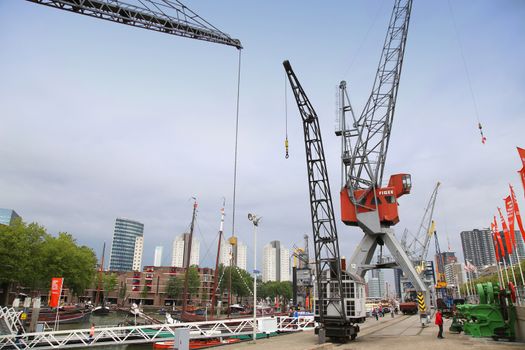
439 322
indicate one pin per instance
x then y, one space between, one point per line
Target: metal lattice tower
365 143
326 245
165 16
421 242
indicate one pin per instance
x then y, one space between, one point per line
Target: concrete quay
401 332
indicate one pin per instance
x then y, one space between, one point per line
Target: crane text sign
56 290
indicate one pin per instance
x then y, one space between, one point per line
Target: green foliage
109 282
241 281
144 292
493 278
30 257
122 291
194 281
272 289
174 287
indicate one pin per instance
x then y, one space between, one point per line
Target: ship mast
216 275
187 265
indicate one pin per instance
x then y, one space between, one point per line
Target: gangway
106 336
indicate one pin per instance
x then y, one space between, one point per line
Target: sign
56 291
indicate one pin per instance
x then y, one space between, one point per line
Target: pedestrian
91 332
376 313
392 313
439 322
381 310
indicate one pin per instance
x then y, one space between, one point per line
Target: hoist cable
236 143
467 73
286 115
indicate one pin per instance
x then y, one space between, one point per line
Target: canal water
113 319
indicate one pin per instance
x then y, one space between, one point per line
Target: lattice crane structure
365 202
165 16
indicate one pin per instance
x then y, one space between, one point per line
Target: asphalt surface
401 332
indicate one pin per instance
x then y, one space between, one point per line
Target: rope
286 115
236 142
465 67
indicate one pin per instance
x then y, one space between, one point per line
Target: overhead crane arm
165 16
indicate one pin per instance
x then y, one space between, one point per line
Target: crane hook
286 147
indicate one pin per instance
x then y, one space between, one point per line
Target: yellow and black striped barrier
421 302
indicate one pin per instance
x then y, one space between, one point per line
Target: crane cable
467 74
236 143
286 116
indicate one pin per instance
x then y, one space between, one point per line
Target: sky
100 120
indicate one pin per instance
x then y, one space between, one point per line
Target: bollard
322 335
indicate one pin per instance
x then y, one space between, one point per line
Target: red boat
197 343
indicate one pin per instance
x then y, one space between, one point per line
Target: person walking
91 332
439 322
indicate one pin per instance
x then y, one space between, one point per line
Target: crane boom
326 244
364 164
165 16
337 290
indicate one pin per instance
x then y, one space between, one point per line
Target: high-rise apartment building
157 261
8 216
137 253
455 274
478 248
180 253
126 250
238 253
276 262
519 244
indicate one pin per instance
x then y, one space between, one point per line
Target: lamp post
255 221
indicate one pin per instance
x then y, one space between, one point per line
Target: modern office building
180 252
126 249
376 283
444 259
276 262
157 261
8 216
478 248
455 274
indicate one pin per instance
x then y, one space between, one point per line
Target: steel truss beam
183 22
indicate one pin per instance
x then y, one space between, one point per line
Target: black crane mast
326 245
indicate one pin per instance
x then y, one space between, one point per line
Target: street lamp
255 221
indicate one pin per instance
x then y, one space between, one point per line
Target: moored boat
197 343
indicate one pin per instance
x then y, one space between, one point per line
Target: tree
30 257
194 281
144 292
122 292
109 282
174 287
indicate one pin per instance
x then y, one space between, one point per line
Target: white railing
11 318
77 338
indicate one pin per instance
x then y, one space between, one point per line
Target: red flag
510 217
494 241
508 243
498 236
56 290
522 176
521 152
517 212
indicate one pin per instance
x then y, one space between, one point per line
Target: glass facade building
123 246
8 216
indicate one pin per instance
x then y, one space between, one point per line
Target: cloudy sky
100 120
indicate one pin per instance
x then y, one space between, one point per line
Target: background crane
365 140
165 16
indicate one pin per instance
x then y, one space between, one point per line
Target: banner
521 152
508 243
517 212
510 217
498 236
56 291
